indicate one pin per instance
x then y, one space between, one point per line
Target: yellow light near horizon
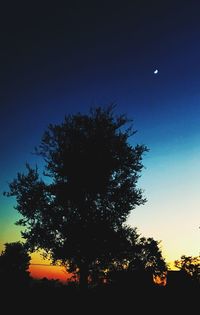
37 258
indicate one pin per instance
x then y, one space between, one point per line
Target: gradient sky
62 59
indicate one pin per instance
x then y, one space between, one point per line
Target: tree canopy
190 266
14 264
133 254
76 216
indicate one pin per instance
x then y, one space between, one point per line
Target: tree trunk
83 276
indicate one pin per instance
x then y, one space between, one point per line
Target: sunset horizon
100 152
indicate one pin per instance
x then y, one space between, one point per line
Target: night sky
59 59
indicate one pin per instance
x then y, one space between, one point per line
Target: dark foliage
14 265
190 269
77 216
134 256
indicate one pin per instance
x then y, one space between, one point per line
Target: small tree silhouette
137 256
189 266
14 264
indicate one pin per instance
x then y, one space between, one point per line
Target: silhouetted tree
147 255
138 255
14 264
190 266
93 170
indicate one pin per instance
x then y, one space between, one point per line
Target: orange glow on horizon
39 271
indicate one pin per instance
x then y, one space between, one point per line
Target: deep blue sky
60 59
